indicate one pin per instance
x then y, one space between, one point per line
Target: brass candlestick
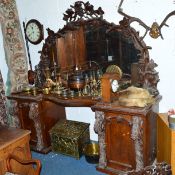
86 90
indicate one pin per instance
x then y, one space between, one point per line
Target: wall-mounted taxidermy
154 30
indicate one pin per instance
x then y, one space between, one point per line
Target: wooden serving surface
116 107
9 135
82 101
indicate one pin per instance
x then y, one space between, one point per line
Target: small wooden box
68 137
165 142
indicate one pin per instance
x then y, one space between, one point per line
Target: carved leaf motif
137 136
157 169
82 10
34 115
99 128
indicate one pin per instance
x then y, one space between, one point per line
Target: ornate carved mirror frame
82 15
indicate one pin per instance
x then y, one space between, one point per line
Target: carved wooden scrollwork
83 15
34 115
148 76
137 136
82 10
99 128
157 169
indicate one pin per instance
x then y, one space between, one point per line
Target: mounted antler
164 22
132 19
154 30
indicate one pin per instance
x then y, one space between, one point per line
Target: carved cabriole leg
13 112
137 136
34 115
99 128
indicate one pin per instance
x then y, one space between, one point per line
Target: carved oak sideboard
127 136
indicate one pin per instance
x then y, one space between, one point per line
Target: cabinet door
26 121
119 144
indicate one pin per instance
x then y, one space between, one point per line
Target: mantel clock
110 82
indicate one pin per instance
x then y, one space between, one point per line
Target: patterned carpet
57 164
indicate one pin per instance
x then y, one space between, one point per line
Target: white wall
50 13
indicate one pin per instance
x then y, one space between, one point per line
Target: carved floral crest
82 10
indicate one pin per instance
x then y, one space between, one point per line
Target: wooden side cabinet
165 141
126 135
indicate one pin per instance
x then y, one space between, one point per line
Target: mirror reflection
111 47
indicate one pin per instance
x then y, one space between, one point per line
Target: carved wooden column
137 136
99 128
34 115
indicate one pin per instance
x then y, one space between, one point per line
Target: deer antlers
154 30
164 22
132 19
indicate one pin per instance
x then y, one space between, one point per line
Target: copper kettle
76 80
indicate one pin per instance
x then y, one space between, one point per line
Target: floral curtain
15 56
14 47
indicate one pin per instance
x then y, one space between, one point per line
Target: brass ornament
154 31
114 69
